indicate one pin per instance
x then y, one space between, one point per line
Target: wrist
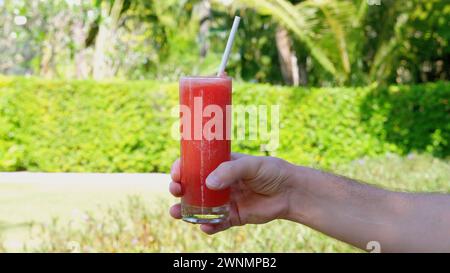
298 186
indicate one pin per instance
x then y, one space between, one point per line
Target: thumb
230 172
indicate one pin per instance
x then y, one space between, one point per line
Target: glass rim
206 77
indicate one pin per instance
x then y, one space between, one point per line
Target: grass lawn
92 217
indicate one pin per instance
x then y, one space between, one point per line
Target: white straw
230 41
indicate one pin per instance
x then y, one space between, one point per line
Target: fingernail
212 182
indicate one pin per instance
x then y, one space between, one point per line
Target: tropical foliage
316 42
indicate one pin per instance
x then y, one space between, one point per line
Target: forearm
357 213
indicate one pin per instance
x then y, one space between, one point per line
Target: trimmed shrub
122 126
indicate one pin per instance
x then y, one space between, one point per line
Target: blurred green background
311 42
88 86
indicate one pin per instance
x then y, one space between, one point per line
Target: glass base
202 215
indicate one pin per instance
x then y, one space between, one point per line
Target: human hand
259 190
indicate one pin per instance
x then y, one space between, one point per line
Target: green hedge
126 126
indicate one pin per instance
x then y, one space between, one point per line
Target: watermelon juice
205 119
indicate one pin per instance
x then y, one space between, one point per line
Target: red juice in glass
205 107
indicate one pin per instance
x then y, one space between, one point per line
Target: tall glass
205 119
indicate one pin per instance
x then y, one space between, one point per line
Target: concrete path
156 182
